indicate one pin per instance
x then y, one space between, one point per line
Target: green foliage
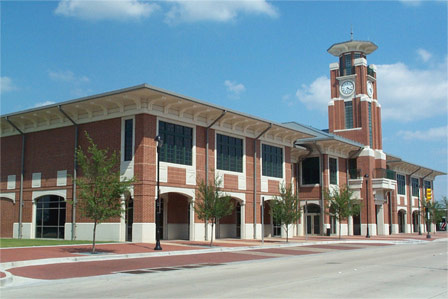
285 208
100 186
437 210
341 205
211 204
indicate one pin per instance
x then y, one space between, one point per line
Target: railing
381 173
354 173
370 71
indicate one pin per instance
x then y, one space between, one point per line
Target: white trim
59 192
334 66
345 130
9 195
61 178
190 193
379 154
36 180
367 152
360 61
11 184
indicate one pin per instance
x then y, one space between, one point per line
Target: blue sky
266 58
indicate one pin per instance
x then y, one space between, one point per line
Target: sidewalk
59 262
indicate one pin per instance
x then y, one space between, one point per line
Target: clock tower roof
365 47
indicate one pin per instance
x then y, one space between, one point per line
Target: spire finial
351 32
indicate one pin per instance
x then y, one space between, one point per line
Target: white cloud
434 134
67 76
106 9
405 94
235 89
424 55
316 95
43 104
219 11
6 85
409 94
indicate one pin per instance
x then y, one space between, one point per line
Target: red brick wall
177 208
9 215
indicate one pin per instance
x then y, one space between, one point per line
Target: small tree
100 186
211 204
434 210
285 208
341 204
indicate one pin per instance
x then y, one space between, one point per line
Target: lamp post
159 141
367 203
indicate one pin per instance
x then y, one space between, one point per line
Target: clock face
347 87
369 89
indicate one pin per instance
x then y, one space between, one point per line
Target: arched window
50 217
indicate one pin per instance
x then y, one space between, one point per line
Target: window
401 184
128 132
370 125
50 217
230 153
333 171
349 115
414 183
177 143
427 184
346 65
272 161
310 171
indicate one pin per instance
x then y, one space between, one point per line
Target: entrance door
401 221
129 219
238 220
313 224
415 221
277 228
356 225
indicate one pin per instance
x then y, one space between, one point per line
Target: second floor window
177 143
272 164
229 153
128 132
310 171
401 184
333 171
415 187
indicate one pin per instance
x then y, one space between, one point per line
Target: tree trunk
287 233
93 242
211 234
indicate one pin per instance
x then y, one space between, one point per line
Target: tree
434 210
341 204
285 208
211 204
100 186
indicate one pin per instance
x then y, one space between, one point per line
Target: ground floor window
50 217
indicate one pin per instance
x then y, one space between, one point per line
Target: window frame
417 187
264 163
193 142
337 170
217 146
398 184
345 114
123 139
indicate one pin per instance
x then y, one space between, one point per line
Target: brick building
252 156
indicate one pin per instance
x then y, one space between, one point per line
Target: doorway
312 219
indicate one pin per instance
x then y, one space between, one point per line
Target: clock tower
353 111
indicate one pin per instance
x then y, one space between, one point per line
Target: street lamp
367 203
159 141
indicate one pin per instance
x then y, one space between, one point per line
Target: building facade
252 157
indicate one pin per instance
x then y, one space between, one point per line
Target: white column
192 236
243 220
350 225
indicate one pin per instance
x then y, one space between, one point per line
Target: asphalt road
399 271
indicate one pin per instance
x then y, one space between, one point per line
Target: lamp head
159 141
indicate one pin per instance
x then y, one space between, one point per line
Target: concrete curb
7 279
109 257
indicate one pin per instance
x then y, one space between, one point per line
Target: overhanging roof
366 47
145 99
397 164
